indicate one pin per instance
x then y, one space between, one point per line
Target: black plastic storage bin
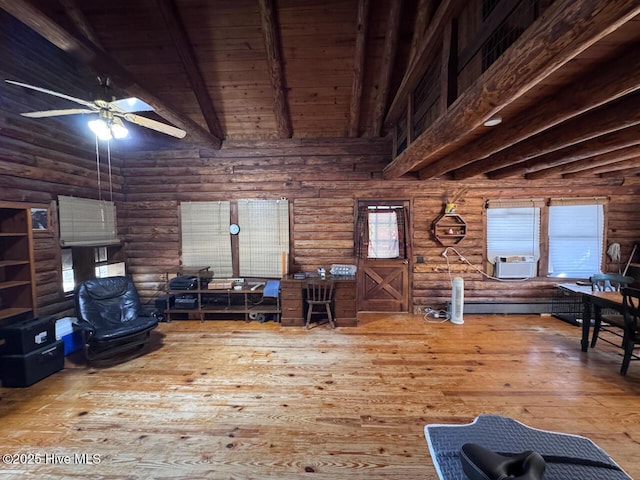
25 370
21 338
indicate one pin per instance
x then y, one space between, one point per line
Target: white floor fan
457 301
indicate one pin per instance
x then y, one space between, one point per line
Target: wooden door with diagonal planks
384 252
383 285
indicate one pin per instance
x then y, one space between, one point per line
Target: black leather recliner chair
115 327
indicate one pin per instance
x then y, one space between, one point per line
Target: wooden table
292 291
592 299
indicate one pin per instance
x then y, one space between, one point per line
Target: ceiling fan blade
55 94
154 125
130 105
56 113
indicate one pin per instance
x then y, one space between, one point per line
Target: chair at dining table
631 340
612 323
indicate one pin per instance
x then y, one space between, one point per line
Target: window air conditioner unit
516 267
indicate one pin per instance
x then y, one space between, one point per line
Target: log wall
323 181
41 159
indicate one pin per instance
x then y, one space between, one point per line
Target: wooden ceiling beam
84 51
355 105
270 30
625 172
80 21
598 145
180 39
604 84
565 30
606 169
615 116
597 159
388 60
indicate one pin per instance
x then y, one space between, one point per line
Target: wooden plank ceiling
235 70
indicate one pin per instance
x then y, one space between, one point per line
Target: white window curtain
576 239
263 238
513 228
205 236
383 234
86 222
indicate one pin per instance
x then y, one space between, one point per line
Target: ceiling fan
110 114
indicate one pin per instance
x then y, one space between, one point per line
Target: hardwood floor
235 400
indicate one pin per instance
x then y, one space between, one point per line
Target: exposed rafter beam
607 170
271 31
625 170
596 146
388 60
80 21
86 52
566 29
358 67
587 163
613 117
178 33
428 46
608 82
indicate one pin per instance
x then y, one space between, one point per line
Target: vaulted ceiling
232 70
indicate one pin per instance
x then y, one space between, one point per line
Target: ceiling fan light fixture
100 128
118 130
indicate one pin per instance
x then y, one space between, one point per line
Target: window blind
557 202
86 222
513 232
205 236
516 203
264 237
576 237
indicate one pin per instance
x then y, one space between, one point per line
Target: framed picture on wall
40 221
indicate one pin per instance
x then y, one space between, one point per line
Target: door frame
407 204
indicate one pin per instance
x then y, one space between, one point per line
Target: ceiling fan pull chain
109 162
98 169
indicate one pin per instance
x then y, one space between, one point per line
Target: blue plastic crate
72 342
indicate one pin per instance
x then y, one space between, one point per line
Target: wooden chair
631 301
612 323
319 293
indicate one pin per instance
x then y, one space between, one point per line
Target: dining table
593 301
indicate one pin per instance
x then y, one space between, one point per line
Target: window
380 231
260 249
575 238
68 280
103 267
264 237
205 236
383 234
513 231
84 263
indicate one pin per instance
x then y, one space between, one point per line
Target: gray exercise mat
505 435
